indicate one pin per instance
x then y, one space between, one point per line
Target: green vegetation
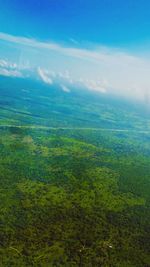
74 179
73 198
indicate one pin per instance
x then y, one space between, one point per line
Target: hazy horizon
103 48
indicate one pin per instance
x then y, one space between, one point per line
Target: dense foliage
71 198
72 194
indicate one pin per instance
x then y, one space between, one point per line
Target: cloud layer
100 68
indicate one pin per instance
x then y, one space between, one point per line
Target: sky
102 44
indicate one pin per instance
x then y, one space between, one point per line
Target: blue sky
103 44
108 22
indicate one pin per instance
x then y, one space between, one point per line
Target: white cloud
7 64
3 63
10 73
126 74
44 76
65 88
97 55
8 68
94 85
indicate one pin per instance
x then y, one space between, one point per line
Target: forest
74 198
75 182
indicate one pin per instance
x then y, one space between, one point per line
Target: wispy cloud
100 54
65 88
44 76
74 41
